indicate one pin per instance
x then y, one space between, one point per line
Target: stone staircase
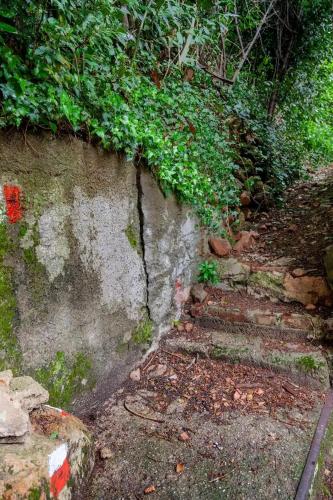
254 317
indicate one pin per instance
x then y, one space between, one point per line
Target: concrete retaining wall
94 260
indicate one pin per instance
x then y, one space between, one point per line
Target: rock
307 289
28 392
266 284
297 273
220 246
245 198
328 262
233 270
246 240
198 293
5 378
47 468
105 453
310 307
14 422
184 437
188 327
135 375
159 371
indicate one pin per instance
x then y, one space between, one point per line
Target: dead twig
194 360
145 417
173 354
150 361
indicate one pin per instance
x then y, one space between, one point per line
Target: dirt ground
203 430
303 227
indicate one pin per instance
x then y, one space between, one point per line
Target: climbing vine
160 80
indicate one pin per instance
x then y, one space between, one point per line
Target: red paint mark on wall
60 478
13 203
178 284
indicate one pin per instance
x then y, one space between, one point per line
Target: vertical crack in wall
142 239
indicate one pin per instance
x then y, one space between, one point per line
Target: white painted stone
57 458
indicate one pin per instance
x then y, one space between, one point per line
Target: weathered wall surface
92 256
171 241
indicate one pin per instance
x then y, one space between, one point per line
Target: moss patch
35 269
122 348
318 487
10 355
63 379
143 332
232 353
132 236
309 364
268 281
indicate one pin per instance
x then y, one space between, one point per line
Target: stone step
274 281
233 308
304 363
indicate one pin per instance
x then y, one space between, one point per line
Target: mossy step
301 362
250 329
311 326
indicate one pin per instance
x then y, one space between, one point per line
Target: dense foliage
200 91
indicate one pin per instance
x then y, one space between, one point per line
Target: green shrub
208 272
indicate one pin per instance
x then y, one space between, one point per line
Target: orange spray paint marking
59 469
60 478
12 196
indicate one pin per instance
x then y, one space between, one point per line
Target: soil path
303 227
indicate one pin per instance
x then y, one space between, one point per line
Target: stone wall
94 261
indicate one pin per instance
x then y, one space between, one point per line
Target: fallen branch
145 417
214 75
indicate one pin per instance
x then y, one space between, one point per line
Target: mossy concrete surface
10 354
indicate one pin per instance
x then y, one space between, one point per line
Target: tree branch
214 75
251 44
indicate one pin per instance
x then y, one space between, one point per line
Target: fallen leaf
237 395
149 489
184 437
180 468
260 392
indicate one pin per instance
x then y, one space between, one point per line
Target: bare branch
188 43
238 30
214 75
251 44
